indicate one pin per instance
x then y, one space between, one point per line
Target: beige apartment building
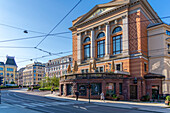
159 52
33 74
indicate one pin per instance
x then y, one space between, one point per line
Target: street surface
35 102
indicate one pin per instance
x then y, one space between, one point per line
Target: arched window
117 29
100 49
117 41
100 35
87 40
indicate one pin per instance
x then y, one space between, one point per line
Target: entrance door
62 87
155 92
133 92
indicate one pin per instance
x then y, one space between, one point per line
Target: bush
5 87
145 98
167 98
48 89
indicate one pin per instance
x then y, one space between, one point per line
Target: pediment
101 9
99 12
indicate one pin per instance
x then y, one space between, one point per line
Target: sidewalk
142 106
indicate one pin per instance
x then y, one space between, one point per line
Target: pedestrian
77 95
102 96
32 88
52 89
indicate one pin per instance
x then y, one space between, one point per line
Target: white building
58 67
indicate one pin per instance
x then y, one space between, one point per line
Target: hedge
48 89
4 87
36 87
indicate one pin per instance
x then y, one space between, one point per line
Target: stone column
79 51
107 43
92 44
65 90
125 37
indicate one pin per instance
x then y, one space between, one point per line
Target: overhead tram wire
58 23
10 26
66 33
33 37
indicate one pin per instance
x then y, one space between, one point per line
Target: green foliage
48 89
35 87
5 87
167 98
115 96
109 93
12 82
48 82
145 98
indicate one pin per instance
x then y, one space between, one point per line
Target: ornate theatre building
111 52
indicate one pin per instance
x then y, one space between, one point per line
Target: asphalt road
17 102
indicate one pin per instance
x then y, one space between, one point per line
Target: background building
33 74
8 70
20 76
58 67
159 52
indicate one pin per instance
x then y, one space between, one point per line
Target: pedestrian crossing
34 104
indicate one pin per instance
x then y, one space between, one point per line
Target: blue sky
42 16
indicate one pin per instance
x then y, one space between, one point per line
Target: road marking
83 108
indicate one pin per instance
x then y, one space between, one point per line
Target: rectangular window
117 44
87 52
1 69
82 71
87 70
145 67
168 32
10 69
120 88
118 68
168 48
101 69
100 49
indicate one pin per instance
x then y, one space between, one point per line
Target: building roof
154 24
10 61
1 63
153 75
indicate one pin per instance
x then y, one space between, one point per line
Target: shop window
120 88
96 89
114 88
82 89
69 89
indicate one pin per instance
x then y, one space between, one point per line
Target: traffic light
1 80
